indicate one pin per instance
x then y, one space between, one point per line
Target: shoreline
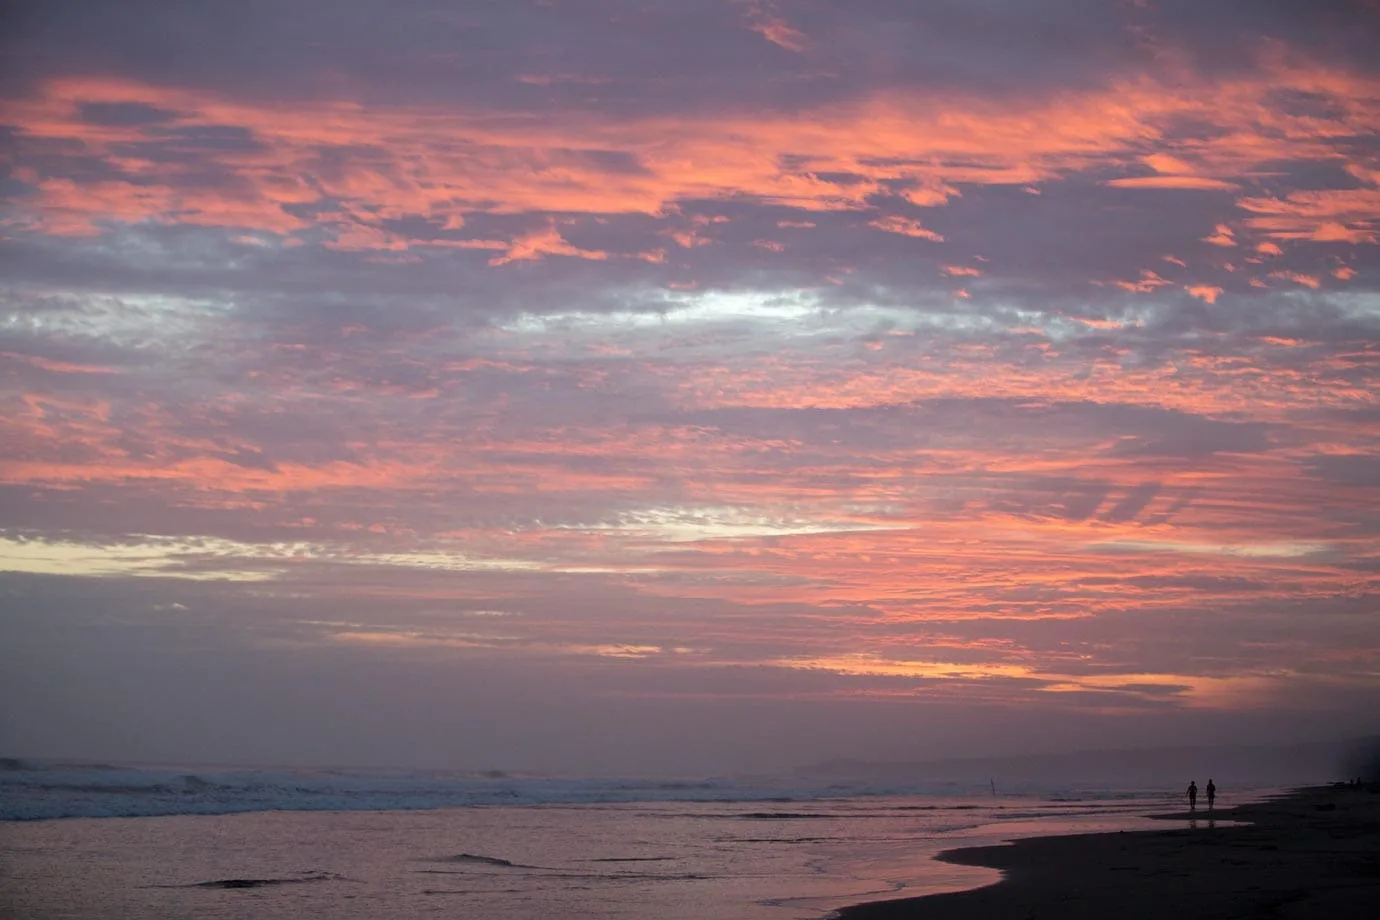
1314 852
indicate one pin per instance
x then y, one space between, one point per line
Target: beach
1311 854
127 842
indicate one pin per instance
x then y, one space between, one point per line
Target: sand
1312 854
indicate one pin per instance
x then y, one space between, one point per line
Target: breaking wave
31 790
35 790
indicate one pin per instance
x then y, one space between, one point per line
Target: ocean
83 841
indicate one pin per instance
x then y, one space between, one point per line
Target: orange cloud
552 79
1191 182
544 242
892 545
773 28
1310 281
1221 236
1324 216
1148 282
445 163
891 542
906 227
57 367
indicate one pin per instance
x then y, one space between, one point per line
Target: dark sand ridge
1312 854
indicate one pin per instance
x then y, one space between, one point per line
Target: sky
681 386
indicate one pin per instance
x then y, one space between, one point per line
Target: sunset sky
686 385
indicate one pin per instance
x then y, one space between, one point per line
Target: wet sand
1312 854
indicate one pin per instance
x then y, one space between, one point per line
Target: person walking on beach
1193 795
1212 793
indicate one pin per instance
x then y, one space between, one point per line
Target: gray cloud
642 376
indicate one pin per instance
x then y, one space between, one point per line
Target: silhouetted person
1192 795
1212 793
